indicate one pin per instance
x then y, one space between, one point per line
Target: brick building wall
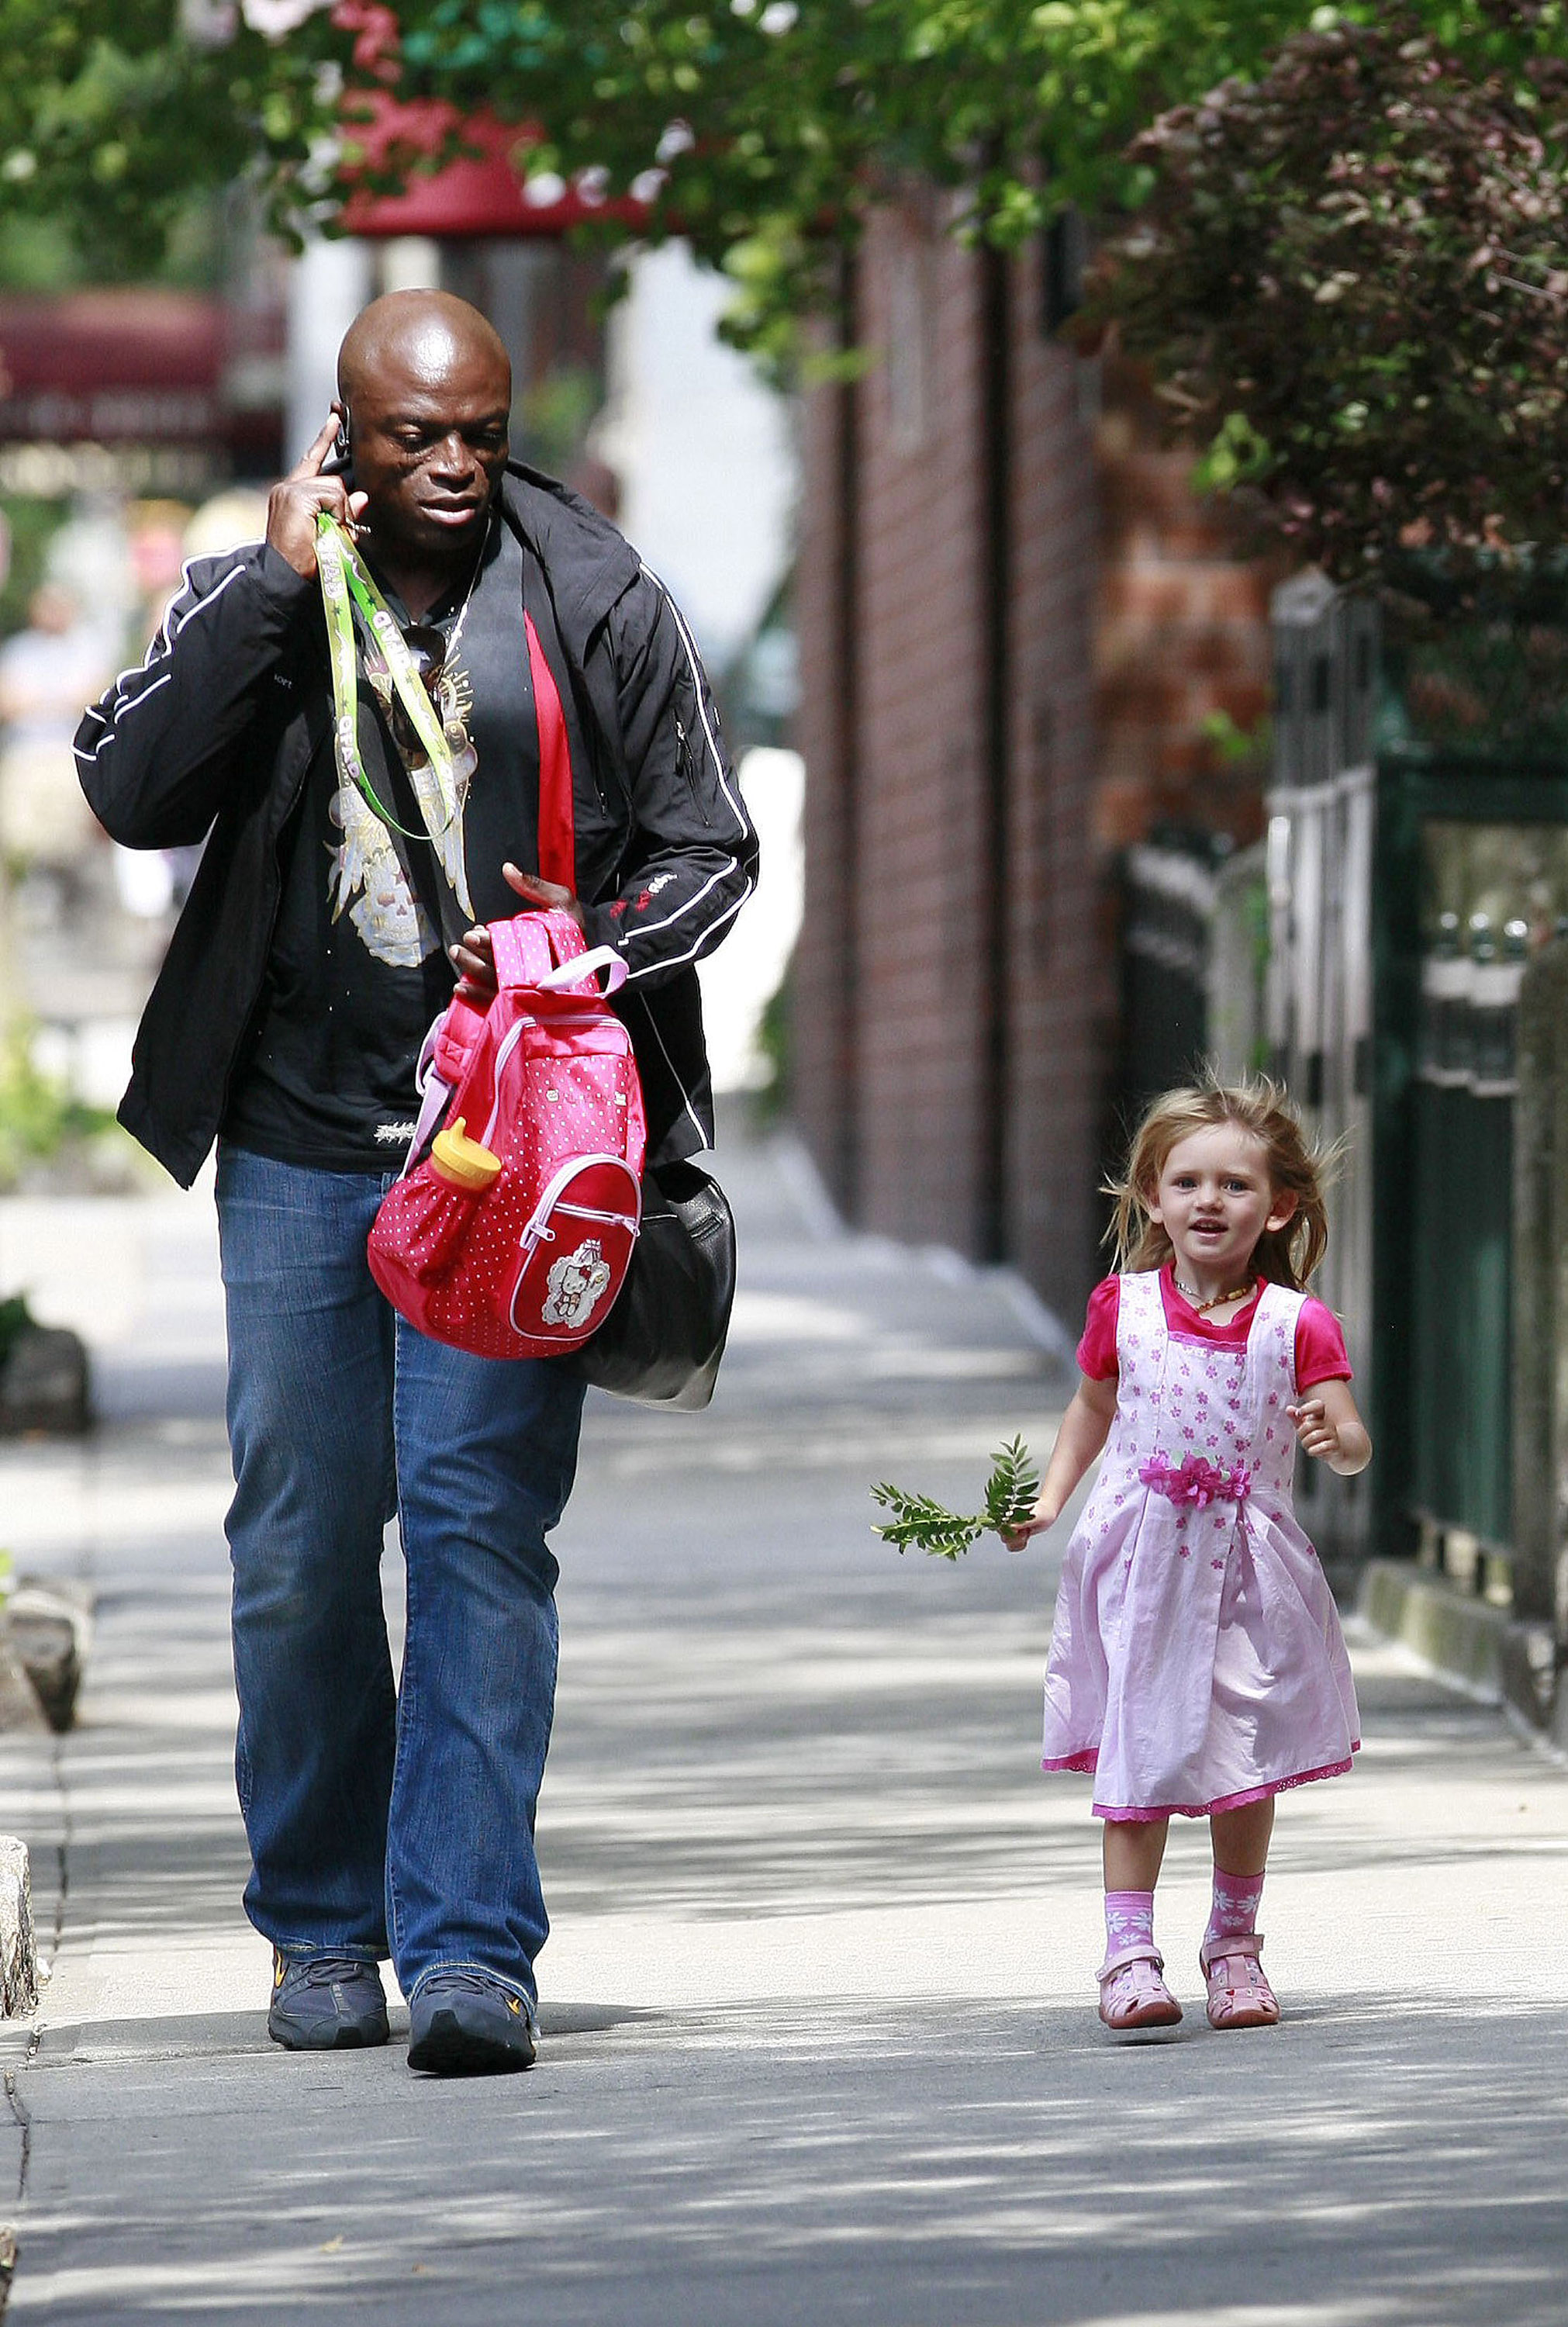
826 972
1062 941
1014 622
921 872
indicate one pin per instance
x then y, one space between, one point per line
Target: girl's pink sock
1234 1913
1129 1920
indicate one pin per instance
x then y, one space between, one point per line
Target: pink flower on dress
1196 1481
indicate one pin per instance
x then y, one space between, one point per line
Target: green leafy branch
921 1524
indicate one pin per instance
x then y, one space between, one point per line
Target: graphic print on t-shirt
367 873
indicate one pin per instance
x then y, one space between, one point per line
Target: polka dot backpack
512 1236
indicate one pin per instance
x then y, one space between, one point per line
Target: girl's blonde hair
1258 1107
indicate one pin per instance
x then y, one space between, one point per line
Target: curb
1481 1649
18 1940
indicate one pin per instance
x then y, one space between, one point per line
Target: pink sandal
1239 1994
1132 1993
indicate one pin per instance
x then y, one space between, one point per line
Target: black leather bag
662 1341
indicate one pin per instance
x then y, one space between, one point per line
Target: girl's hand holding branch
1042 1518
1330 1429
1085 1428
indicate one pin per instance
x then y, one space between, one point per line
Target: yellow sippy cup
462 1160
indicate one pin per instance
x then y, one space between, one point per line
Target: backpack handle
527 948
545 952
572 975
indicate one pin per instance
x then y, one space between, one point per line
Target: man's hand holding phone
321 480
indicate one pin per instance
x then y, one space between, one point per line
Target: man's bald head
428 388
426 335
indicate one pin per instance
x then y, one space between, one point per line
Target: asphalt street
820 2044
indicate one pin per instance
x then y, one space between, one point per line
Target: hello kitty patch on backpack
511 1237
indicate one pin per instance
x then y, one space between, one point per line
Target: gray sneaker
464 2023
325 2004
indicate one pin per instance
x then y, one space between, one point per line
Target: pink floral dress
1196 1661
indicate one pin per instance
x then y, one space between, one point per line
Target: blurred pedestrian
47 671
1196 1666
301 977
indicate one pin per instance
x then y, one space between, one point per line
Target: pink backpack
512 1237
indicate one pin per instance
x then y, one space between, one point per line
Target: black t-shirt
358 968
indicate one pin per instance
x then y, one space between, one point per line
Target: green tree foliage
115 114
1351 278
1346 256
763 129
766 130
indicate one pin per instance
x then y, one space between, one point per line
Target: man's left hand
475 965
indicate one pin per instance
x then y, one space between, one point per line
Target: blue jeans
381 1819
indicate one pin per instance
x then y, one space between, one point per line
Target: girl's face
1214 1201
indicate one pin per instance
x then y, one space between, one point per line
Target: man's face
429 440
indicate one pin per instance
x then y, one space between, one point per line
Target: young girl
1197 1665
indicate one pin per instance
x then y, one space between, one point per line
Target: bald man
316 947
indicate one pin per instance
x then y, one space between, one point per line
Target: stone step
50 1625
44 1383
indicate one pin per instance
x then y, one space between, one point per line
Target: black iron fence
1169 893
1194 962
1438 870
1413 883
1462 1106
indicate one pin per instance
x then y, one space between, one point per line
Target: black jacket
214 734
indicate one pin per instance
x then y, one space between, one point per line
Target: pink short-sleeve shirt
1320 1354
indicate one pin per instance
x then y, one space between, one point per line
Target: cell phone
339 462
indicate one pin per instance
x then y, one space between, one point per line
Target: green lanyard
344 582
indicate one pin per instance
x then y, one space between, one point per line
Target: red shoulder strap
557 828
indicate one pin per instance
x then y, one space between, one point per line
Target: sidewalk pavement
820 2044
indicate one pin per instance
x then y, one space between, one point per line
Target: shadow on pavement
957 2168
